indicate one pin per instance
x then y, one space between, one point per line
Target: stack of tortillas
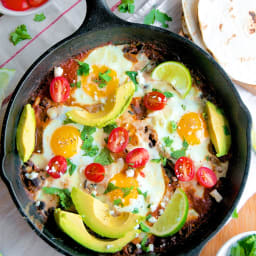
226 29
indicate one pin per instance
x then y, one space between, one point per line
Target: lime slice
254 138
5 77
174 216
176 74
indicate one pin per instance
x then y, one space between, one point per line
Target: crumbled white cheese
216 195
152 220
138 246
109 246
140 78
111 212
31 175
151 247
162 204
37 203
130 173
153 207
58 71
161 211
136 227
103 100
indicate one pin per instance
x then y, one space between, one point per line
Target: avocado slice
96 216
219 129
72 225
113 108
26 131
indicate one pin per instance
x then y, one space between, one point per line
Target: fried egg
107 59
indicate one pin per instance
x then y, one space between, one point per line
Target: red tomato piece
94 172
184 169
36 3
59 89
206 177
16 5
118 140
154 101
57 166
138 157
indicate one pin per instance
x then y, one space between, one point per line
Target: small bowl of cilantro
243 244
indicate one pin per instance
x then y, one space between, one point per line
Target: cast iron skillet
100 27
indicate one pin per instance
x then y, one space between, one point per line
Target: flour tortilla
228 30
190 24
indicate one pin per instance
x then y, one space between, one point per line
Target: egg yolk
127 188
95 85
66 141
192 128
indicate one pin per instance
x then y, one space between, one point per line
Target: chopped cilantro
19 34
104 157
173 126
110 187
178 153
87 130
149 205
235 214
156 15
185 144
68 121
77 84
207 158
89 149
163 160
63 194
183 106
135 210
168 142
118 202
144 228
166 94
156 160
83 69
71 167
127 191
108 129
143 243
145 194
133 75
103 79
148 217
245 246
126 6
39 17
226 130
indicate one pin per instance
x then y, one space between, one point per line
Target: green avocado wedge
218 129
113 108
26 131
72 225
96 216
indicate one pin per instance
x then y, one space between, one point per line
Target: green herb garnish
141 193
226 130
133 76
71 167
126 191
156 160
77 84
166 94
156 15
244 247
104 157
144 228
68 121
118 202
110 188
63 194
183 106
83 69
87 130
126 6
168 142
181 152
135 210
89 149
235 214
19 34
39 17
108 129
173 126
148 217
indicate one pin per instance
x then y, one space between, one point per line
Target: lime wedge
176 74
254 138
5 77
174 216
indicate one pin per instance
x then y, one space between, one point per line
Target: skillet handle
98 16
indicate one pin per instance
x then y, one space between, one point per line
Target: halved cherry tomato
154 101
16 5
35 3
184 169
206 177
57 166
138 157
59 89
118 140
94 172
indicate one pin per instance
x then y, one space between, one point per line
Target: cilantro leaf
143 244
87 130
156 160
185 144
83 69
39 17
150 17
133 76
168 95
77 84
135 210
103 79
71 167
19 34
145 194
104 157
183 106
168 142
63 194
108 129
110 187
148 217
126 191
226 130
178 153
68 121
126 6
163 160
162 18
89 149
144 228
118 202
172 126
235 214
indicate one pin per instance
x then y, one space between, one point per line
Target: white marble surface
16 237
